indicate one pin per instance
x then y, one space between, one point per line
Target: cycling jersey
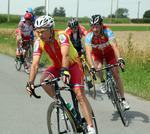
55 57
34 17
25 28
60 39
100 45
76 38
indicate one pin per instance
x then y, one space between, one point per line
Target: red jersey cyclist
76 32
23 31
101 44
63 58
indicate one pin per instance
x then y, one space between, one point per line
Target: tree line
121 12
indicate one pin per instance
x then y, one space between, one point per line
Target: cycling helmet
28 16
29 10
96 19
73 23
44 21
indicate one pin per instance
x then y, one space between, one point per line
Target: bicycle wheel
18 63
28 60
59 120
89 81
118 102
94 122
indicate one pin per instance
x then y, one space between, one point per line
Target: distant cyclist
34 17
23 31
65 63
101 44
76 32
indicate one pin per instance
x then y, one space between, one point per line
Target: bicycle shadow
131 116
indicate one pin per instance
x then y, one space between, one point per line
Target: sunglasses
42 31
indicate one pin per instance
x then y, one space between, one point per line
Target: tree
39 10
146 14
59 12
122 13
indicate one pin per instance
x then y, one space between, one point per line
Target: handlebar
51 81
110 66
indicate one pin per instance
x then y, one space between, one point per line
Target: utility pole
117 11
111 11
47 6
8 11
138 9
77 8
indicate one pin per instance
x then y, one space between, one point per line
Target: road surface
20 114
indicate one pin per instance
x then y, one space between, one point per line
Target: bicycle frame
61 101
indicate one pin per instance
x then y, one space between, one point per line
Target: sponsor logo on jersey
36 45
62 38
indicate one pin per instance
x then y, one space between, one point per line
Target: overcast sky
86 7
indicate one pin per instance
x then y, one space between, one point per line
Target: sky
86 7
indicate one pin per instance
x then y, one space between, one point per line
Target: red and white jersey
82 32
25 28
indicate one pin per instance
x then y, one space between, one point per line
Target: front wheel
89 81
59 120
118 102
18 63
28 60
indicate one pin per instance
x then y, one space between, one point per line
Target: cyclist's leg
98 62
49 73
17 42
115 72
78 82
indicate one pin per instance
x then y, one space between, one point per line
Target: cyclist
76 32
64 61
34 17
23 31
101 44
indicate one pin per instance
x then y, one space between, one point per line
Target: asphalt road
20 114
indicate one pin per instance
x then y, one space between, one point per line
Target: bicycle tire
57 121
28 60
94 122
118 102
18 63
91 90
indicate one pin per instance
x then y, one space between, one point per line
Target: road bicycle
88 78
25 57
113 92
60 120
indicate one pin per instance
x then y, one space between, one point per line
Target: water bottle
71 109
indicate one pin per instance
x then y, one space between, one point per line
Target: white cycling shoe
91 130
126 105
103 87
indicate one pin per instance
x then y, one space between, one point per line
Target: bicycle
88 78
113 92
60 119
25 57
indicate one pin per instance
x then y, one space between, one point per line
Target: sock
123 99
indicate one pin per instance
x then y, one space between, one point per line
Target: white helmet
44 21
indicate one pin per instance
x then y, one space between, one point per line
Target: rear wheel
89 81
59 120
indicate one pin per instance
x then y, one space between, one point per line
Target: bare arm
113 43
65 56
34 68
89 55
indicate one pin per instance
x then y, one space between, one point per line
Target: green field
136 77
